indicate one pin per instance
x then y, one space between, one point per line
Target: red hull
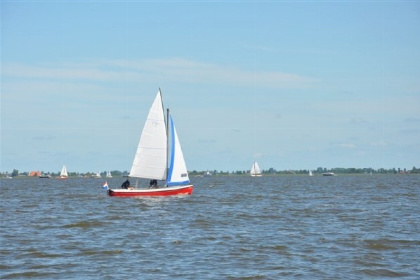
184 190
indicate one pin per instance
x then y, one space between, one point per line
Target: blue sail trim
171 165
169 184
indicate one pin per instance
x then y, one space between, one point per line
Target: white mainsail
63 172
177 171
255 169
150 160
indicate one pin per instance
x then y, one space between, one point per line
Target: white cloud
412 120
258 155
379 144
92 72
359 121
172 69
346 145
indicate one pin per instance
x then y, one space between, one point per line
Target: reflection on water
351 227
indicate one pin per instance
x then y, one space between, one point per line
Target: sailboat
158 157
310 173
108 174
63 173
255 170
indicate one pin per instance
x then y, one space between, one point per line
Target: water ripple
288 227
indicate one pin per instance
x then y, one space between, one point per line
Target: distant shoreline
339 171
229 175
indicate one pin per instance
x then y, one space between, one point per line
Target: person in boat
126 184
153 184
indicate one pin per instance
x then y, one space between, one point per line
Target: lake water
285 227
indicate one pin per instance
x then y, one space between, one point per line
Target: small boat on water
63 173
45 176
328 174
255 170
158 157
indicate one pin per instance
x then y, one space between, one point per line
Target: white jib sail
150 160
177 171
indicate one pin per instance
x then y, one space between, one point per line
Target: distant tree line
115 173
270 171
319 170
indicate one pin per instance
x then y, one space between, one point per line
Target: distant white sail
63 172
255 170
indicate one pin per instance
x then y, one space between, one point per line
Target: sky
294 85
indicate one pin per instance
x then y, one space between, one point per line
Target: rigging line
255 84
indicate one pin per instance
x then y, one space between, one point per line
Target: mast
167 144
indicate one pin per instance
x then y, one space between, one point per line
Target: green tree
15 172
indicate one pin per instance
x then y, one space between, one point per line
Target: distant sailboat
45 176
255 170
310 173
158 157
63 173
108 174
